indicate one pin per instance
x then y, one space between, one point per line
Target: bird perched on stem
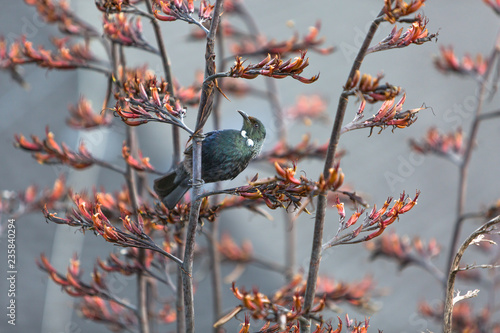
224 155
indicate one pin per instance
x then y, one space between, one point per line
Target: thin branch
475 215
464 167
215 76
141 277
107 97
454 269
484 266
180 308
206 104
95 69
269 265
322 202
132 188
136 10
489 115
168 76
109 166
214 253
429 266
469 294
272 96
165 280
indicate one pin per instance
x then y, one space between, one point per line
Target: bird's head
253 129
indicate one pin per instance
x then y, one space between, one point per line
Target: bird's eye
256 125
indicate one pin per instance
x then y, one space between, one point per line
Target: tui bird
224 155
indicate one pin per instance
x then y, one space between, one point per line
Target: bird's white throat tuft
249 141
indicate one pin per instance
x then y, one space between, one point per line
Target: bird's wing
208 136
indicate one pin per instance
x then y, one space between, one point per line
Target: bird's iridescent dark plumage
225 154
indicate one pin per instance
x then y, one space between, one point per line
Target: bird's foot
196 183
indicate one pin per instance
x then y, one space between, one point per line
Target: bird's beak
244 115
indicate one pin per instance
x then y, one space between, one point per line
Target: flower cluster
167 314
114 264
368 87
450 146
140 165
108 312
394 10
449 63
49 151
112 204
375 222
292 45
355 293
285 189
141 84
190 95
97 297
273 67
176 217
148 100
307 108
22 52
89 216
114 6
182 10
32 200
285 307
354 326
230 250
464 317
416 34
241 255
293 327
406 252
389 114
125 31
59 12
83 117
282 152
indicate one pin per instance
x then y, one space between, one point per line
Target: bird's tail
171 188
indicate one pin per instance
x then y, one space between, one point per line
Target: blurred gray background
467 25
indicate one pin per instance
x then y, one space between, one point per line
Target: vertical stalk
454 269
290 246
142 283
272 96
117 56
464 166
216 273
180 310
289 225
141 277
187 277
321 205
168 76
206 103
215 261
